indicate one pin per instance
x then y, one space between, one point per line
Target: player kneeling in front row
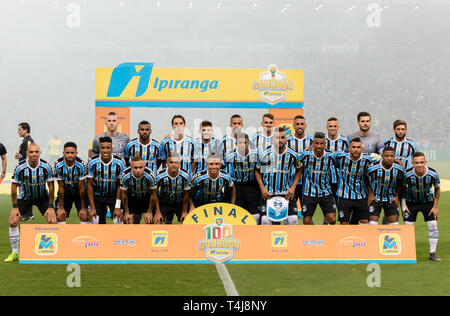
70 172
420 197
213 185
277 173
104 172
33 176
138 187
386 178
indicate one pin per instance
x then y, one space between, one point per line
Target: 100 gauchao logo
273 85
219 244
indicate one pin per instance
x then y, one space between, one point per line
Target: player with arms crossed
104 172
138 190
70 172
319 170
145 147
277 173
33 176
213 185
386 178
241 166
419 182
173 185
404 147
352 191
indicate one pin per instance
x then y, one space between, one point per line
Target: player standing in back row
263 140
423 191
404 147
145 147
182 144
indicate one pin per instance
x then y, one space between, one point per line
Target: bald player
34 177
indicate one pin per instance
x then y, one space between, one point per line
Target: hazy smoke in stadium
390 58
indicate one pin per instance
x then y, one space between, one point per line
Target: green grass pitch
423 278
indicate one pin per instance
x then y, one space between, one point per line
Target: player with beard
423 191
299 142
70 172
404 147
352 191
145 147
386 178
277 173
372 142
319 170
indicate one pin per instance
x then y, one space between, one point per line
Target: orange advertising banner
285 118
122 113
215 242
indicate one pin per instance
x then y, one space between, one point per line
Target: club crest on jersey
277 209
272 85
219 244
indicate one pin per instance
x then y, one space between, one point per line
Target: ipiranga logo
160 239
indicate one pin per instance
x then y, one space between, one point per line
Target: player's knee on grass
331 218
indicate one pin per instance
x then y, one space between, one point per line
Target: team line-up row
270 175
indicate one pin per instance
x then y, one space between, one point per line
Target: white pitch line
228 284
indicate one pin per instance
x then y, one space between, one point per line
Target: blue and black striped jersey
299 145
32 181
228 145
207 190
184 147
403 150
171 189
242 168
278 170
420 189
202 151
351 175
339 145
261 142
106 176
138 187
150 152
70 176
318 173
385 182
